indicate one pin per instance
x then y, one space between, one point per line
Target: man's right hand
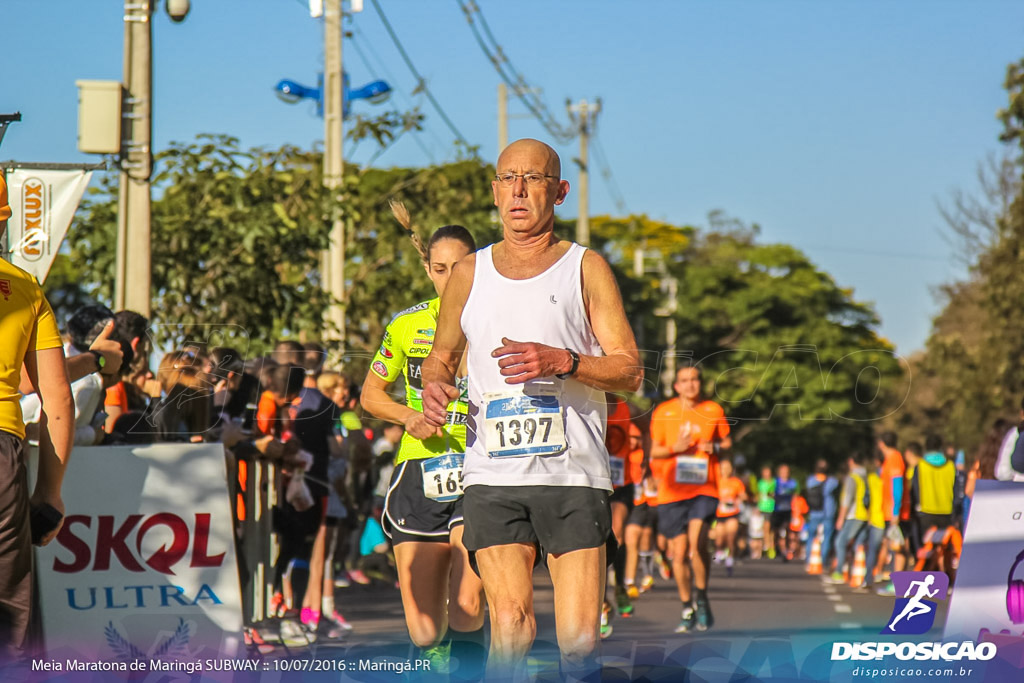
417 427
684 443
109 349
436 397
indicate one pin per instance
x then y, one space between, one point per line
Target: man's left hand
521 362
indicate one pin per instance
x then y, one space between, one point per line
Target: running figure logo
914 613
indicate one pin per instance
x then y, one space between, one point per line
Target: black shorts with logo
558 519
674 518
410 516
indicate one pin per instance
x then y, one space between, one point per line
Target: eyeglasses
535 179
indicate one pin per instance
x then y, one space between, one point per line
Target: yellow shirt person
26 322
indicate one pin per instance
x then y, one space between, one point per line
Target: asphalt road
771 620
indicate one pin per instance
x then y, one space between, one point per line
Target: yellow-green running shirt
407 342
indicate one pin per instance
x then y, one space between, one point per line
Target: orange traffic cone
860 568
814 566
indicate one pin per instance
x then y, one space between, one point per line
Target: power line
874 252
381 68
361 38
357 44
421 83
606 174
496 55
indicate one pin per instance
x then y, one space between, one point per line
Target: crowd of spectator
284 409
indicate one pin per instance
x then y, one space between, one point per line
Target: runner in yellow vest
876 519
933 487
852 521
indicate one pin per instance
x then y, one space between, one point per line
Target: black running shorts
410 516
674 518
643 515
780 520
624 495
559 519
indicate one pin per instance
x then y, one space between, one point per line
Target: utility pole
639 270
333 259
133 215
668 377
502 117
584 114
667 310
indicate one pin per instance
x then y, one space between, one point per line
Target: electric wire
421 83
512 77
357 43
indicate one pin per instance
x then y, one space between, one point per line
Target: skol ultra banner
43 202
143 569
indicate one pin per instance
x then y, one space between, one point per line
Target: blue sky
836 126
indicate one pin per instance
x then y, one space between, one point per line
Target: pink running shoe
310 618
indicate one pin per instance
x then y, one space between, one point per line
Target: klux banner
43 203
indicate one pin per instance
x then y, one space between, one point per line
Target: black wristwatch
101 362
575 365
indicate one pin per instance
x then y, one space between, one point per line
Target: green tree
970 373
64 288
237 236
791 355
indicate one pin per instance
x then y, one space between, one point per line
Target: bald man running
542 324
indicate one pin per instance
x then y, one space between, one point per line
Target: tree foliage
970 373
237 237
790 354
793 358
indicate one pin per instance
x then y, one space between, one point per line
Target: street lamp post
333 259
332 105
133 276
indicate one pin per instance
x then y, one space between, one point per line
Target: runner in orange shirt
639 527
893 471
686 433
797 519
731 496
621 502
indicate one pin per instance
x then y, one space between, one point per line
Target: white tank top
507 444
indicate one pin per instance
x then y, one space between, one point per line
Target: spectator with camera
85 326
130 332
